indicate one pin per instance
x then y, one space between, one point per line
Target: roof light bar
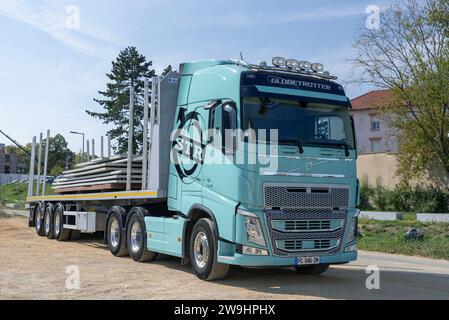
281 64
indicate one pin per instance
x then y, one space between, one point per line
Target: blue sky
49 74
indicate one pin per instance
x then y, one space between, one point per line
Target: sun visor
290 87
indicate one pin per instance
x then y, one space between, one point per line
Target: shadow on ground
341 282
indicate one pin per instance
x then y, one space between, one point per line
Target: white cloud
49 16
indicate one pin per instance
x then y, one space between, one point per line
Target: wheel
39 221
116 242
136 240
61 234
203 252
312 270
49 222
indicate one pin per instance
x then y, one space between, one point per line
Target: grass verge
17 193
389 237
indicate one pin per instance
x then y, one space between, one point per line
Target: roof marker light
279 62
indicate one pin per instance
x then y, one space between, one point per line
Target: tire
49 222
114 233
61 234
39 221
312 270
136 240
203 252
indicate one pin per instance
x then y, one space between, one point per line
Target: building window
375 123
376 145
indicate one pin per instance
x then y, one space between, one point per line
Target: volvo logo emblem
309 166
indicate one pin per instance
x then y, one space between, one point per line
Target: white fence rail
9 178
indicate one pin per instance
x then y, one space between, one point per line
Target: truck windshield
300 123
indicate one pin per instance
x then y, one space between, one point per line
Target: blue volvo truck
283 192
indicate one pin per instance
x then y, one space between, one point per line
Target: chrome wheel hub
114 233
38 220
136 237
57 224
47 223
201 249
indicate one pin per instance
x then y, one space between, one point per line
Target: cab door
219 174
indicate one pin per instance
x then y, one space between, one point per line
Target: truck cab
267 155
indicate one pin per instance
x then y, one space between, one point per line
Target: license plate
307 261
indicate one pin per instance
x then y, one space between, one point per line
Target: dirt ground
35 268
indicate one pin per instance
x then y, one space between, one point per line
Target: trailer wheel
312 270
115 237
49 222
136 239
39 220
61 234
203 252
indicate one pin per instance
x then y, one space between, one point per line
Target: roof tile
370 100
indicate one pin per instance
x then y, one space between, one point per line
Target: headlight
354 230
253 227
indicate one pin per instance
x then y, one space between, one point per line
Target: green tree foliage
128 70
403 198
59 155
409 54
167 71
439 14
56 170
16 150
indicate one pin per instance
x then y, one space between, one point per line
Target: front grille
307 225
307 245
290 242
322 244
298 196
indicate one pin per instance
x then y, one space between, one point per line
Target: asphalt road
35 268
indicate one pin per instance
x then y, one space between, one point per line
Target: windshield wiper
294 142
338 144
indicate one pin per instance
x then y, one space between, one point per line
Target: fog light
254 251
351 248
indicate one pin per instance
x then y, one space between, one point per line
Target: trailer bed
101 196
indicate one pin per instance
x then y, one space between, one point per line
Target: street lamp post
83 158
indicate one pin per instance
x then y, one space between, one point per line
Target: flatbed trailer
300 213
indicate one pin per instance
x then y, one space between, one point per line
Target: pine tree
167 71
129 70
